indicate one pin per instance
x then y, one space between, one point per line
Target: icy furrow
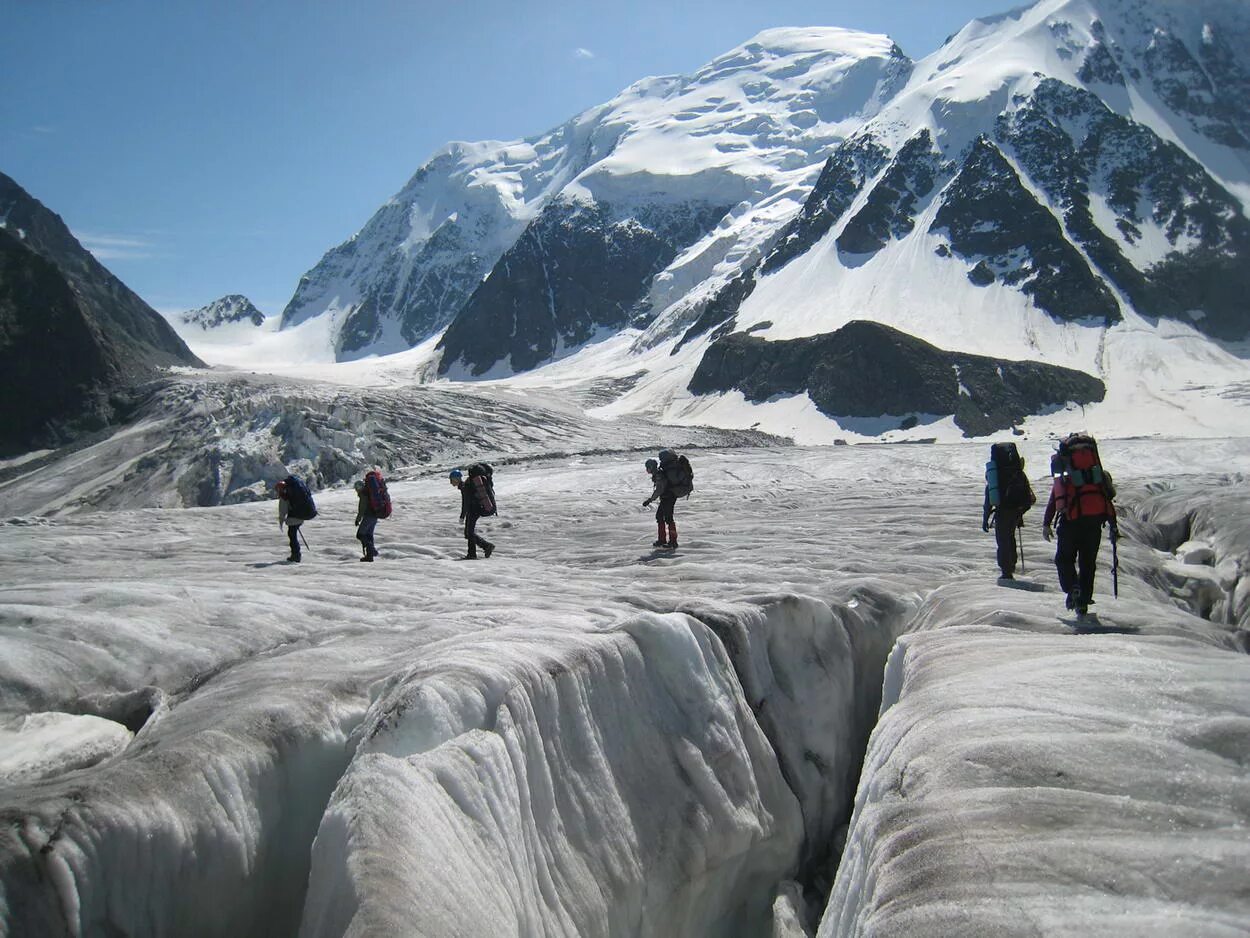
1031 784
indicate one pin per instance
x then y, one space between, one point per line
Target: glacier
582 736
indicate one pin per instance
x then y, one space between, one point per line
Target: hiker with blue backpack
373 503
672 478
295 506
1008 496
477 500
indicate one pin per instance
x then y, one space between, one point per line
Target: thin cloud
112 247
43 129
581 53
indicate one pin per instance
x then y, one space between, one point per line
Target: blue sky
222 146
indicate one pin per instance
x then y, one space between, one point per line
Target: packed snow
584 735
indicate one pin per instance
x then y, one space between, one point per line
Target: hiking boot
672 545
488 549
367 558
1006 576
659 543
294 558
1069 601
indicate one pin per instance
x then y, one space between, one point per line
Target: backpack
481 482
678 472
300 502
1006 484
1087 491
379 497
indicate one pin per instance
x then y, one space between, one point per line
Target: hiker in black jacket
664 514
470 511
366 522
1004 507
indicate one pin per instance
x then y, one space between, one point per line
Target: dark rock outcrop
577 269
890 209
73 338
995 223
866 369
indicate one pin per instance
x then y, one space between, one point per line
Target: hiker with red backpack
1008 496
295 506
672 478
373 504
477 500
1081 502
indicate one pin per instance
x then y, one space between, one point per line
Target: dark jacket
469 508
364 507
660 480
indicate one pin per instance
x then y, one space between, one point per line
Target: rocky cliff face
73 338
867 370
576 272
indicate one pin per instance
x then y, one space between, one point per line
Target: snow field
574 737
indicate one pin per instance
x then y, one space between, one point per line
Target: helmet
652 465
455 474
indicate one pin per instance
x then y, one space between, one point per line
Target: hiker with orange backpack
1081 501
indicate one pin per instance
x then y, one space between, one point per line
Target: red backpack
1087 489
379 498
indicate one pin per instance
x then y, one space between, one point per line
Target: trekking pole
1115 562
300 532
1020 540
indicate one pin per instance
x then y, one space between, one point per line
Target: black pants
1077 544
1006 521
292 533
475 540
364 534
664 513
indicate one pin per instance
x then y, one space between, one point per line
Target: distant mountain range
73 338
1064 184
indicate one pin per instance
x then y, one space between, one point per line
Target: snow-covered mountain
229 309
1065 184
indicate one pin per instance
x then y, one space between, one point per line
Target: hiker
1081 502
373 503
1008 496
477 498
295 506
672 478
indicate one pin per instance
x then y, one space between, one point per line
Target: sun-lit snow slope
746 133
1065 184
576 736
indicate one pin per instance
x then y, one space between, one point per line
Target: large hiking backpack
379 497
1005 481
678 472
481 482
1087 490
299 499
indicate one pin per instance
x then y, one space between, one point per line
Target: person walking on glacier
373 503
671 478
295 506
1008 496
1081 501
477 499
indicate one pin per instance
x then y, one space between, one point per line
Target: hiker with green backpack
1008 496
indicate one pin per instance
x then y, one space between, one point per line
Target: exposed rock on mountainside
867 370
87 334
228 309
574 272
